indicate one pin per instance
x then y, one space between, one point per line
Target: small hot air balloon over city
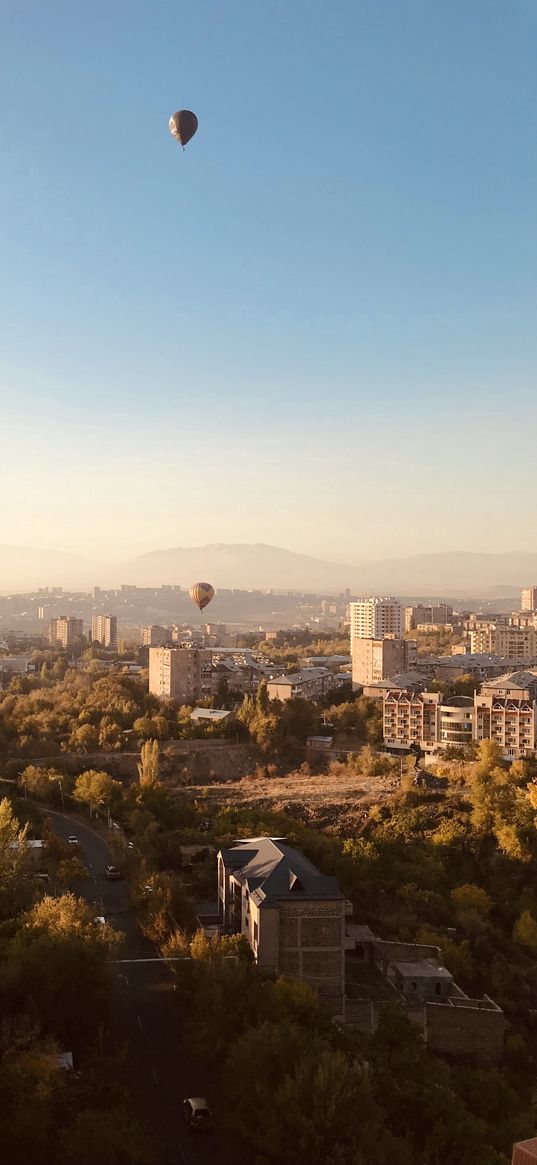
183 126
201 594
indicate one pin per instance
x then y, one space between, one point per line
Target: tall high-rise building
529 599
374 660
65 630
180 672
376 617
104 630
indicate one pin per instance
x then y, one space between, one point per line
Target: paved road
145 1015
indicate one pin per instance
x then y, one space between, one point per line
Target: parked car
113 874
73 839
196 1113
43 878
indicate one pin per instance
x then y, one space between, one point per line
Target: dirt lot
306 797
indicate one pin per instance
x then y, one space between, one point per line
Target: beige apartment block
181 673
379 659
104 631
311 683
375 617
504 711
410 717
153 636
529 599
65 630
422 614
513 643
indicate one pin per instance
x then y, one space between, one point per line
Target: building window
438 988
256 933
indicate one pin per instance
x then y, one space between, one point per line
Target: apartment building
528 599
310 684
376 617
410 717
180 672
104 631
505 711
153 636
292 915
379 659
65 630
513 643
421 614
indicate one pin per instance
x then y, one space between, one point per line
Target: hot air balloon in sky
201 594
183 126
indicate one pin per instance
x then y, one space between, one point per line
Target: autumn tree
149 766
94 788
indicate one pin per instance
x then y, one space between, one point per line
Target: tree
59 960
472 905
17 887
69 871
85 737
148 768
94 788
525 931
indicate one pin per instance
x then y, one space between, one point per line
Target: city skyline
318 315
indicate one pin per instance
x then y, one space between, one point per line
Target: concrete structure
104 631
154 636
292 916
376 617
310 684
422 614
505 711
378 659
528 599
65 630
512 643
180 673
452 1023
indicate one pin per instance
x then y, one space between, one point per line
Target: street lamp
59 780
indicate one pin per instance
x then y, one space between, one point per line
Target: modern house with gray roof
292 915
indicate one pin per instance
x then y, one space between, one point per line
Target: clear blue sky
317 326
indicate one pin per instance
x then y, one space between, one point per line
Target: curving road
145 1016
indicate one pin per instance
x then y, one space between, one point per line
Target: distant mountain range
257 566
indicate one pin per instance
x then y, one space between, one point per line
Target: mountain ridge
261 566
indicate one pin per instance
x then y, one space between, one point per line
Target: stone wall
466 1027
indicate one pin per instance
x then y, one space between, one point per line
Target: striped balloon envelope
201 594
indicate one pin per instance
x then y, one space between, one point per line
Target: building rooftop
210 714
516 679
301 677
273 871
423 969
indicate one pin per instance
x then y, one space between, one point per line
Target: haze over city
314 328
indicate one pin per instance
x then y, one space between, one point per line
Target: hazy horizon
316 327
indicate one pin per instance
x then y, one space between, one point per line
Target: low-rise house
292 915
